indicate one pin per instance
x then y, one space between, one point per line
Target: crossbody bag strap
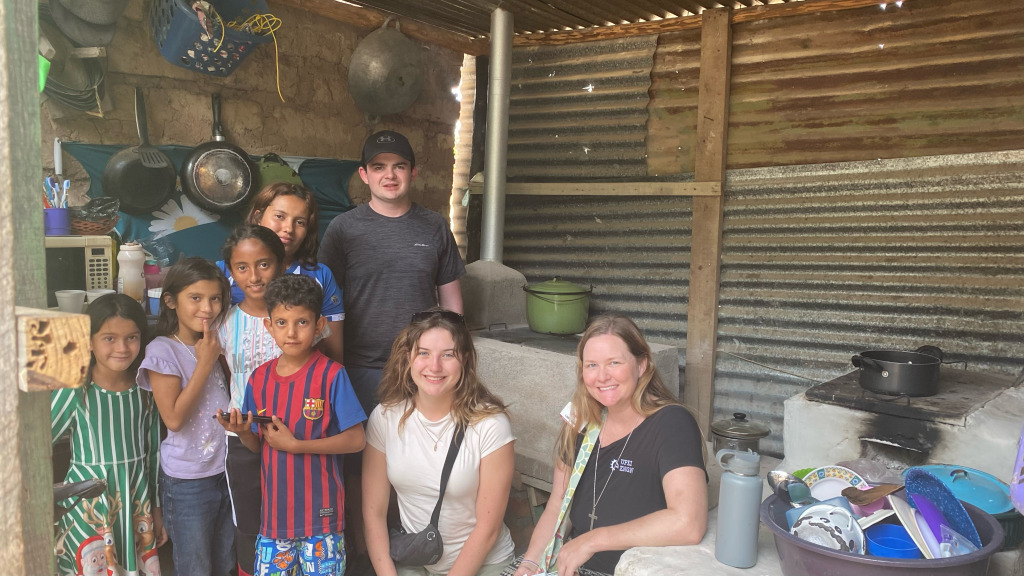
562 524
449 462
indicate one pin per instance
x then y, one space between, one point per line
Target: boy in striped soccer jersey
315 416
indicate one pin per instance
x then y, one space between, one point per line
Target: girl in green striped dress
115 436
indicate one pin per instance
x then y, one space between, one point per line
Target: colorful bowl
891 541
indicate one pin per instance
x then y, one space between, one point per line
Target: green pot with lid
557 307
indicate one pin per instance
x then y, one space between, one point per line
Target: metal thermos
738 504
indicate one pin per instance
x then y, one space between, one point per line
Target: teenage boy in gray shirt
392 257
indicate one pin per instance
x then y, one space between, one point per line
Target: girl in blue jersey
254 256
290 211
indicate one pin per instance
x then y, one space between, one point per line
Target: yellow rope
261 25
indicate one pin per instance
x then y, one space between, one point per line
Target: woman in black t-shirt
644 482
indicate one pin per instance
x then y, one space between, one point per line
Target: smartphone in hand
256 418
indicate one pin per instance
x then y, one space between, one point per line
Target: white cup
91 295
70 300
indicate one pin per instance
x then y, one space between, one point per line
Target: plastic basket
89 228
183 41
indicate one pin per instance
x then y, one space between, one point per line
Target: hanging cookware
900 373
385 75
103 12
557 307
140 188
81 32
217 175
737 433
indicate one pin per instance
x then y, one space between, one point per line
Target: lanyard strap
562 525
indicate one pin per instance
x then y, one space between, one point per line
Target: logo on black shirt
622 465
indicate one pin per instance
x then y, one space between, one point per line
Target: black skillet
217 175
140 189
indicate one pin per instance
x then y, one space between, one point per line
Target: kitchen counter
699 560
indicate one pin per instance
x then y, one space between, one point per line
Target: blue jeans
197 517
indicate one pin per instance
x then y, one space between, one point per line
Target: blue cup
153 300
56 221
891 541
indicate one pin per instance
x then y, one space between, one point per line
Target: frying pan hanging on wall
142 178
217 175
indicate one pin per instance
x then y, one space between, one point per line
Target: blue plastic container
891 541
183 41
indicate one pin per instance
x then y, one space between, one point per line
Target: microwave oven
78 263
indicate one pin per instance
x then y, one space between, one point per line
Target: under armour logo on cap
387 142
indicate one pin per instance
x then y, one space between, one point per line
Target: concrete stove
974 420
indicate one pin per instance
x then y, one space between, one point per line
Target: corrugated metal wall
580 111
823 262
820 261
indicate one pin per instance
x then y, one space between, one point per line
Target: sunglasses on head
453 317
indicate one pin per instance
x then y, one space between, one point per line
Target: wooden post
26 500
53 349
706 245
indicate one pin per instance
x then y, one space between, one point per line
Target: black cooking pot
900 373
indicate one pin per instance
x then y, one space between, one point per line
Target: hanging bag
425 547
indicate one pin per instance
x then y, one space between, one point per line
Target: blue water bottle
739 502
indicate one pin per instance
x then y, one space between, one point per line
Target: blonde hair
473 401
649 396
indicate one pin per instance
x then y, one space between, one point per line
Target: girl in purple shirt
189 386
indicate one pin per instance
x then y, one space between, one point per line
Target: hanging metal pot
102 12
217 175
81 32
900 373
386 72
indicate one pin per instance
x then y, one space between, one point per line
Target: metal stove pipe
496 144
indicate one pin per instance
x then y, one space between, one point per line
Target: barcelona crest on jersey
313 408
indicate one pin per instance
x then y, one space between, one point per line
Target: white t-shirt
414 469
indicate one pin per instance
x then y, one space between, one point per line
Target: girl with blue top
254 256
188 383
290 211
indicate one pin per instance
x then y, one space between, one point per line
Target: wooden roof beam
687 22
371 19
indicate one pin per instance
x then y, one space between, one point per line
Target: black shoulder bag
424 547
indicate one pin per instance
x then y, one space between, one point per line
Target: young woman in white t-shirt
430 388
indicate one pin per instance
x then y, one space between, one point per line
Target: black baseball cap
387 141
